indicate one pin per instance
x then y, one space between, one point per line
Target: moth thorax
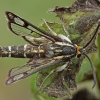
69 50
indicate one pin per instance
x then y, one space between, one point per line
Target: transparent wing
21 27
18 73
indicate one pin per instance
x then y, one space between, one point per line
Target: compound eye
79 55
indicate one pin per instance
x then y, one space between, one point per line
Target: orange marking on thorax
78 48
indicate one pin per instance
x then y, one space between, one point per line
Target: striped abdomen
22 51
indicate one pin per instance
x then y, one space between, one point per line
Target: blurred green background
33 11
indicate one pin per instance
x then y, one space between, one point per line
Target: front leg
56 70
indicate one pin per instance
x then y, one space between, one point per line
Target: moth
44 49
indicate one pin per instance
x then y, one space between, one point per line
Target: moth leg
66 31
58 69
54 33
58 35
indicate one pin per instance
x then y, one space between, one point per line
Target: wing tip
9 81
7 14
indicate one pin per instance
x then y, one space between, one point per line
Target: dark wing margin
14 20
18 73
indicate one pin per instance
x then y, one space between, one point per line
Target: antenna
94 34
92 67
94 75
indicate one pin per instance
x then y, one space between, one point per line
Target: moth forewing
12 18
18 73
19 30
